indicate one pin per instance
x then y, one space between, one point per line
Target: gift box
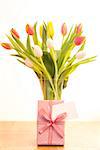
50 131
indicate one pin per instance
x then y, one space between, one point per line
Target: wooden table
22 136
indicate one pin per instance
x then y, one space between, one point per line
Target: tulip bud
14 33
80 55
28 63
6 46
50 30
37 51
79 40
50 43
41 30
64 29
79 29
29 30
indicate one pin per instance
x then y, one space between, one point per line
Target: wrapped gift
50 131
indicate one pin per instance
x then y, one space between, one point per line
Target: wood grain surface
22 136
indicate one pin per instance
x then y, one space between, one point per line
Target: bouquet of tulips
52 67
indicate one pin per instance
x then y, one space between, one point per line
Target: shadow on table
50 148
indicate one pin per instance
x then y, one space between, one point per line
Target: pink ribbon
52 124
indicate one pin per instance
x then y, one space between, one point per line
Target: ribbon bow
52 123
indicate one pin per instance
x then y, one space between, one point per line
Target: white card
68 107
57 109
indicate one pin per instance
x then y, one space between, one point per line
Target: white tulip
28 63
38 51
50 43
80 55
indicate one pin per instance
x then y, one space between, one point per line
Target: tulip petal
64 29
50 30
29 30
79 29
6 46
14 33
79 40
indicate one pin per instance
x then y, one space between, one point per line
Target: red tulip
64 29
79 40
29 30
6 46
79 29
14 33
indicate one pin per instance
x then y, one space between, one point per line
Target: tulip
80 55
29 30
79 40
50 43
79 29
37 51
28 63
41 30
64 29
6 46
14 33
50 30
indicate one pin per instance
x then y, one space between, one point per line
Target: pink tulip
79 28
64 29
38 51
50 43
80 55
28 63
79 40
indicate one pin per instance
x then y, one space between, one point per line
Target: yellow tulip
41 30
50 30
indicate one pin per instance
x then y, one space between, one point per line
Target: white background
19 87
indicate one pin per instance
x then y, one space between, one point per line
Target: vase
50 93
49 131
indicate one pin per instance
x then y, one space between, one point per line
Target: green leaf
35 38
66 48
66 74
65 82
36 69
74 57
66 40
72 68
16 46
44 36
21 45
57 52
21 61
28 44
16 55
90 59
48 62
13 42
